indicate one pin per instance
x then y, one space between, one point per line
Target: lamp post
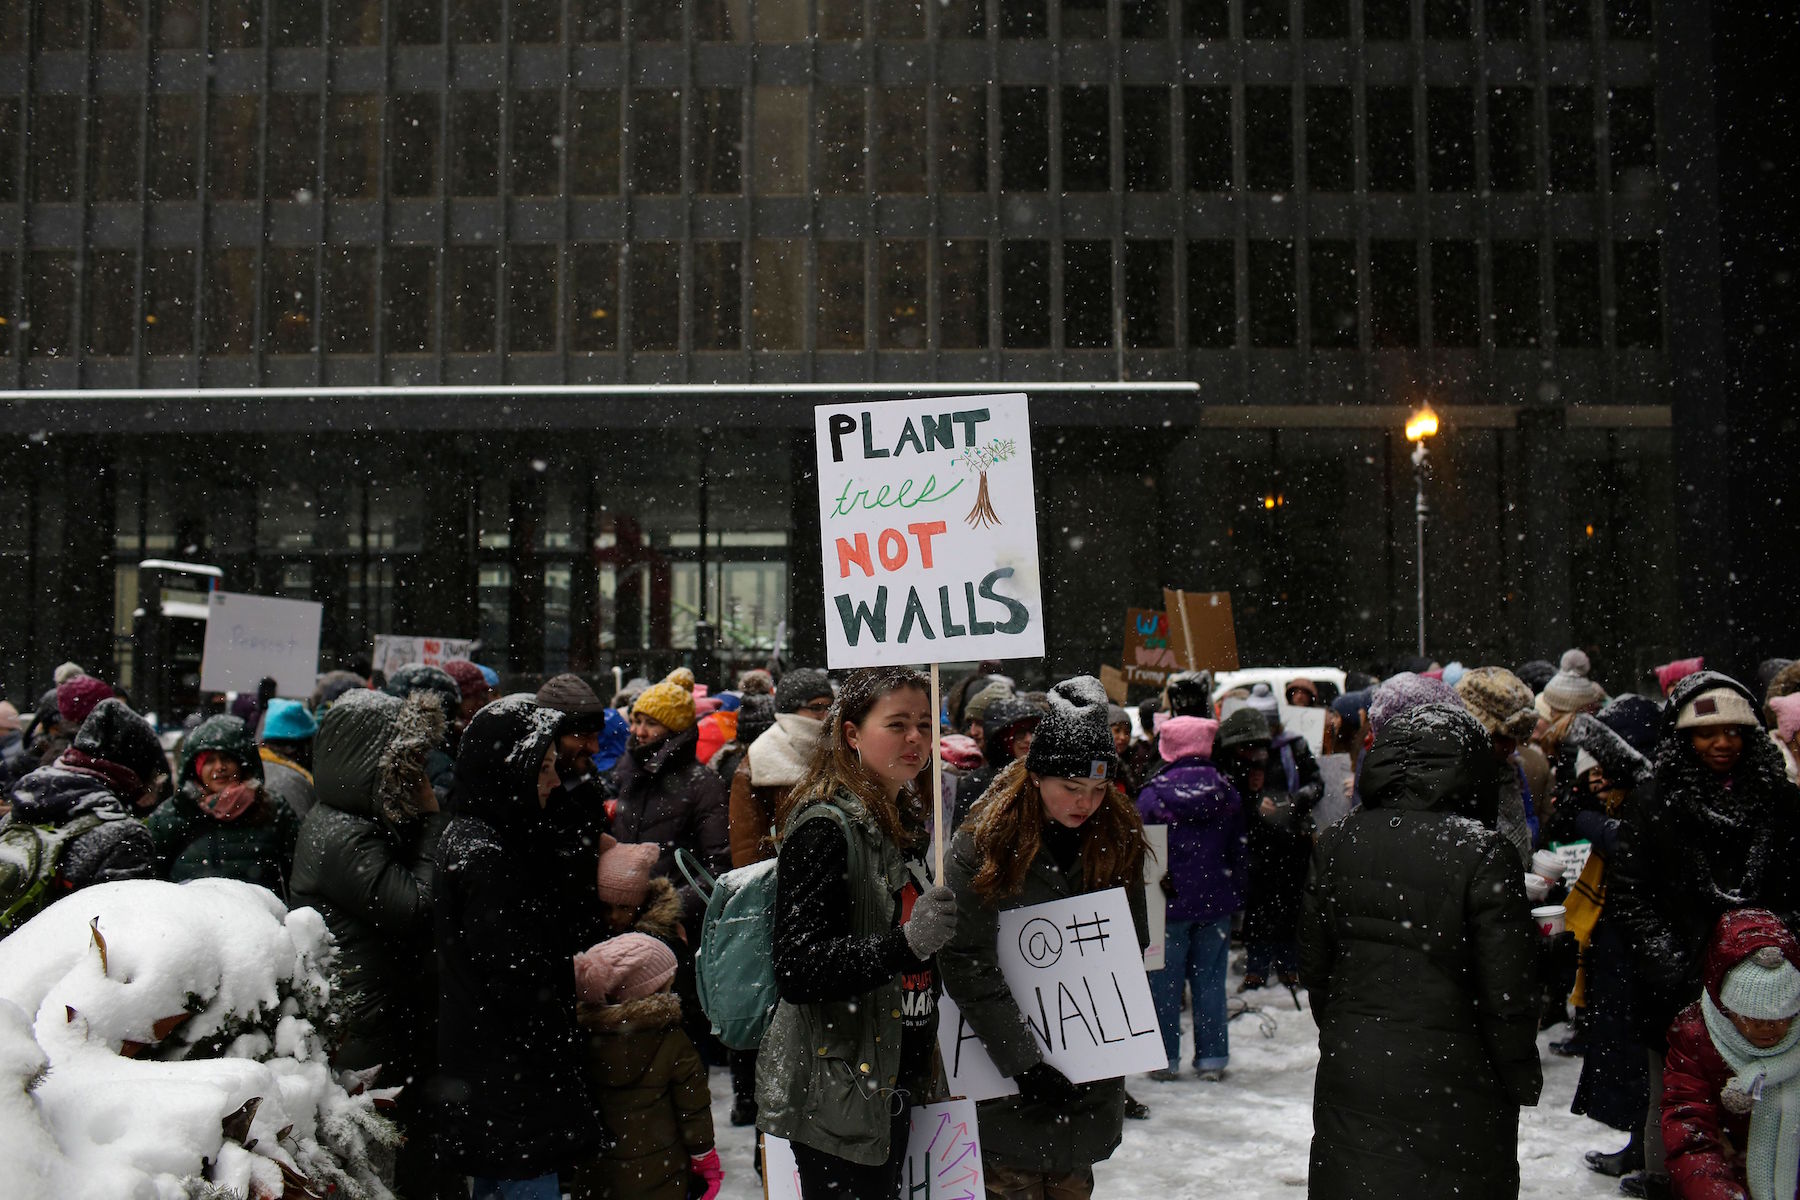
1420 426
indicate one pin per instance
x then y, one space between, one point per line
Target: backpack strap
698 877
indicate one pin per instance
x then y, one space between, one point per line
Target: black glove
1044 1084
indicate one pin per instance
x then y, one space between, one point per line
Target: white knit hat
1764 987
1719 706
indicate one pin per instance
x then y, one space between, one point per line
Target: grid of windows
562 189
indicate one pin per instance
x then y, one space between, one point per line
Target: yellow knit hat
669 703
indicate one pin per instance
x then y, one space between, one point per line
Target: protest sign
1309 723
943 1157
252 638
928 531
1574 856
1156 865
1337 773
971 1073
1201 630
1112 681
1149 658
393 651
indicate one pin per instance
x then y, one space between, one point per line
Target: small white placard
253 638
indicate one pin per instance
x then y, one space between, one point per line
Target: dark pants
1009 1183
743 1078
827 1177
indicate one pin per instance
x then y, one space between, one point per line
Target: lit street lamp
1419 426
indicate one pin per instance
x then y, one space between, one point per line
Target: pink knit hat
628 967
1670 674
1787 717
625 869
1187 737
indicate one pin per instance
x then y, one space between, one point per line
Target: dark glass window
955 19
353 164
1447 18
1512 148
472 296
655 142
230 301
963 295
51 145
1265 18
1455 294
120 24
902 300
1205 20
1025 294
9 309
962 139
901 128
1450 134
169 302
1631 127
535 21
474 143
408 297
1330 140
474 22
9 141
1393 294
1568 19
1387 20
178 24
356 22
1517 320
1018 18
718 295
841 140
1332 281
418 22
716 143
1390 124
349 317
899 20
111 295
531 298
1637 291
782 132
174 147
1268 139
62 26
413 121
593 297
840 22
293 165
1327 18
1084 19
50 302
1144 19
296 22
1273 303
1207 129
841 309
231 148
289 293
1086 140
1508 20
1145 116
1087 295
236 24
1571 139
112 146
778 290
1212 294
1150 294
1629 20
595 21
1577 294
1024 139
536 145
594 143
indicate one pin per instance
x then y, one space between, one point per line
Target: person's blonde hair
835 767
1007 824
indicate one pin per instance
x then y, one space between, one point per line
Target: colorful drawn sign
1149 658
393 652
943 1157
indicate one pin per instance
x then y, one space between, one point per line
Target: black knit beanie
1074 739
799 686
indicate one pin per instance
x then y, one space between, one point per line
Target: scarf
1767 1080
780 757
121 780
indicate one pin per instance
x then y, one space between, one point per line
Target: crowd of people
510 881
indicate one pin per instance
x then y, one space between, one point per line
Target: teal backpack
734 970
30 859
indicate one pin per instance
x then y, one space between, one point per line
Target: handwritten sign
1149 658
928 530
1339 776
1202 631
252 638
1309 723
968 1067
1156 865
943 1157
393 652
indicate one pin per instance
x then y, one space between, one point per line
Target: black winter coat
118 848
1418 950
511 1101
668 797
1281 846
1693 846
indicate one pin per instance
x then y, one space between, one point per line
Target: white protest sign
1073 966
1156 865
393 651
1574 856
971 1073
252 638
943 1157
1309 723
1338 775
928 531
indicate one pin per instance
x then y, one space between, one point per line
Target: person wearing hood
1731 1089
1011 722
1418 951
472 682
776 761
367 861
287 752
614 739
577 809
1280 839
417 677
222 822
1718 828
69 705
511 1107
974 723
113 771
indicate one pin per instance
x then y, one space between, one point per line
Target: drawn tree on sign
982 459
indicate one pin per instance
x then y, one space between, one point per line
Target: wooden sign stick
937 784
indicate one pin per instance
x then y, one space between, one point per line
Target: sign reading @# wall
928 524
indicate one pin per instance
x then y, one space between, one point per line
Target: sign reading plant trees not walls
929 531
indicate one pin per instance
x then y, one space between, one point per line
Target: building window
1087 295
777 304
959 19
111 301
841 309
531 298
899 20
840 139
536 22
901 128
1447 19
718 295
1568 19
1577 294
1327 18
178 25
9 140
169 302
902 273
1450 133
236 24
1512 145
1206 125
477 22
9 311
1273 303
1390 133
1146 121
112 146
1025 295
839 22
418 22
962 139
655 141
288 299
1265 18
474 143
593 297
655 295
1212 294
781 127
1330 140
1387 20
1205 20
230 301
595 20
353 169
472 297
716 143
408 298
296 22
1023 18
1268 139
1455 294
1149 295
293 160
1571 138
50 302
231 148
1144 19
1086 139
349 318
1629 20
594 143
356 22
1637 289
1084 19
174 147
1517 297
412 144
1393 294
1508 20
52 144
1024 139
963 295
1332 281
536 145
1631 129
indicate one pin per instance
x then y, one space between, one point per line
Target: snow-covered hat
1074 739
1764 987
1716 706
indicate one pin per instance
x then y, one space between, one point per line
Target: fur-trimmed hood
370 754
661 918
782 754
651 1014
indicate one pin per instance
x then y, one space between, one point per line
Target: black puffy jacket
1418 950
668 797
119 847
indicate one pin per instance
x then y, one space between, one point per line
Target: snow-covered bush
163 1041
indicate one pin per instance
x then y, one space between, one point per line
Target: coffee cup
1550 919
1548 864
1537 888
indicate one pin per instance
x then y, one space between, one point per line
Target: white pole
937 784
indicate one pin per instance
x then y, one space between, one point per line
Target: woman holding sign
1052 826
852 1042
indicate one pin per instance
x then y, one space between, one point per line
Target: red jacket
1705 1141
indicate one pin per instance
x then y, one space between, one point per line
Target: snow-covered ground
1248 1136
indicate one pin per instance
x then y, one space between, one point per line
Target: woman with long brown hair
1053 825
856 927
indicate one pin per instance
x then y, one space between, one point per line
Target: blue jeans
544 1187
1195 954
